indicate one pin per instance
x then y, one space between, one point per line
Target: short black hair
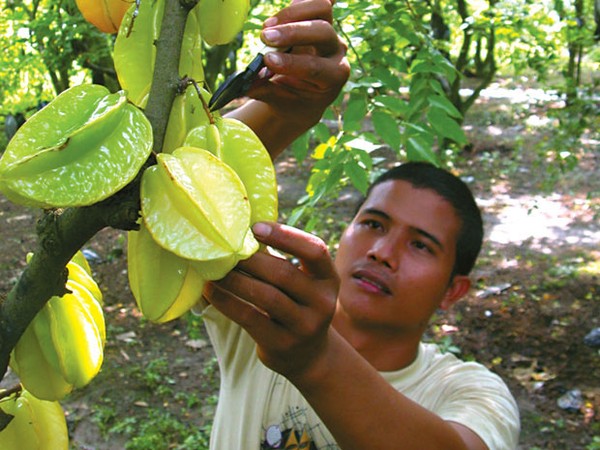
423 175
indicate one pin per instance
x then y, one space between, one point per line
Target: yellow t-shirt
260 409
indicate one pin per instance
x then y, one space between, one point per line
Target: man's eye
371 223
422 246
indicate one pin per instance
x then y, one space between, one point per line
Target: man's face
396 257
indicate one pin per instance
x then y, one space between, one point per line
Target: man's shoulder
434 358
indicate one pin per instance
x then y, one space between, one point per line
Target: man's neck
386 350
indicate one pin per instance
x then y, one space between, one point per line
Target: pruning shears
236 85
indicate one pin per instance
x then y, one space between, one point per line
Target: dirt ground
536 296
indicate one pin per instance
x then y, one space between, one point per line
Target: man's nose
386 250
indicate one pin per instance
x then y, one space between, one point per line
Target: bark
597 20
166 80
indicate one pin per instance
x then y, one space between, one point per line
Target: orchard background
504 92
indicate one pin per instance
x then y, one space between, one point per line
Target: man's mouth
371 282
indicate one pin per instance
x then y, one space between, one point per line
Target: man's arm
288 312
304 82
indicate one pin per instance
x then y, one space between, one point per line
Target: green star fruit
195 206
83 147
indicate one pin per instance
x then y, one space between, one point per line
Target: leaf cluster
46 43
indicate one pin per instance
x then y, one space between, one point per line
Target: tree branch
60 234
166 79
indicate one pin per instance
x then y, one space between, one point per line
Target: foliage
46 44
394 99
412 62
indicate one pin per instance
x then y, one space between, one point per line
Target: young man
329 355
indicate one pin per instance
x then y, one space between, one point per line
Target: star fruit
135 50
106 15
234 143
221 20
37 424
196 206
80 149
164 285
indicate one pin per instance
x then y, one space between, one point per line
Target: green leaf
445 126
296 215
444 66
417 149
364 158
387 78
395 104
416 106
357 174
321 132
300 147
334 177
387 128
355 113
424 67
446 105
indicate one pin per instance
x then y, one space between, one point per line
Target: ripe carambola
234 143
77 335
106 15
80 149
164 285
37 424
196 227
62 348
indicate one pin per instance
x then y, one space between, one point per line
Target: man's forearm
275 132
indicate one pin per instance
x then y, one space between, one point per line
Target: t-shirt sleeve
481 401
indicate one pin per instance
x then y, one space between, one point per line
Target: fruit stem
10 391
209 114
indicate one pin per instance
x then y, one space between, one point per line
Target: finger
233 306
300 10
307 72
281 281
268 299
308 248
315 33
256 322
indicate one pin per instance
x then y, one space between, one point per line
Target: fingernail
270 22
272 36
264 74
274 58
261 229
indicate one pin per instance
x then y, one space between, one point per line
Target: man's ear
457 289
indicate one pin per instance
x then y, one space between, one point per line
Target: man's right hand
285 308
305 81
